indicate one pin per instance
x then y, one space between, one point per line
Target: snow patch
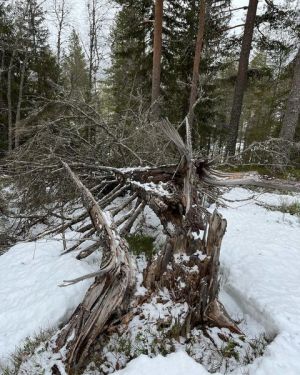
175 363
31 299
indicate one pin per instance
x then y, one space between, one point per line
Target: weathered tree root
109 292
194 278
188 256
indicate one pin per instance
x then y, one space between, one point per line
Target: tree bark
292 111
93 60
241 80
60 12
156 69
20 98
9 102
3 130
92 42
197 58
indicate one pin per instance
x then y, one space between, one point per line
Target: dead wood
107 293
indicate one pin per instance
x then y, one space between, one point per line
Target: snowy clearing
260 283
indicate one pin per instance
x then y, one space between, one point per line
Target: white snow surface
174 364
30 297
260 260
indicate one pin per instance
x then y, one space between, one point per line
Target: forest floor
260 259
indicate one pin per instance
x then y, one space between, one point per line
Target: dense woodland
187 90
33 75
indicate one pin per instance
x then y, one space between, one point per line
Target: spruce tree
129 80
132 43
75 72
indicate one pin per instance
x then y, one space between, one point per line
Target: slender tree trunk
58 44
92 47
61 12
3 130
241 80
18 113
93 60
9 103
157 46
2 70
291 115
197 58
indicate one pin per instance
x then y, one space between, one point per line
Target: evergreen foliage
24 50
75 71
30 76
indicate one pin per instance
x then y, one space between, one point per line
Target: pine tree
130 74
291 115
6 36
156 66
241 80
75 71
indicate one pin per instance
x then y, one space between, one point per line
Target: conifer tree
129 79
29 65
241 79
75 71
132 40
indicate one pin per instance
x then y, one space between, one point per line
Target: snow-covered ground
30 297
260 260
174 364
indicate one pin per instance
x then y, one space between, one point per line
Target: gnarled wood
109 291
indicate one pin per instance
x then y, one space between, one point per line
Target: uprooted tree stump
176 194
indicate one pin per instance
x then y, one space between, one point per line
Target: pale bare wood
129 223
109 290
252 180
80 241
121 207
88 251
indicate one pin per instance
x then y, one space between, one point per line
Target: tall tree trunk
9 102
60 13
197 58
93 60
3 131
18 113
157 46
292 111
92 36
241 80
